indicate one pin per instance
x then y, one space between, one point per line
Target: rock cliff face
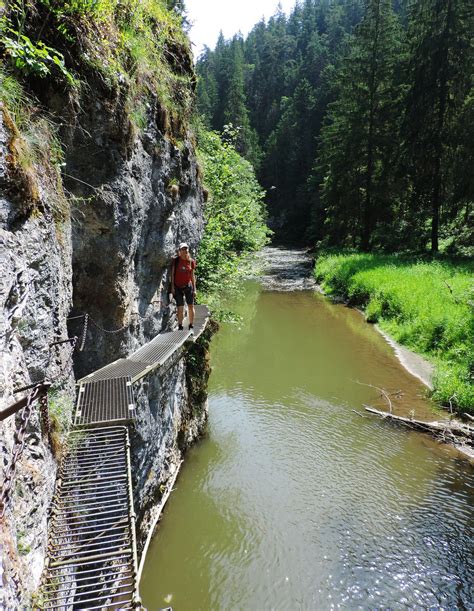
173 414
36 297
105 254
127 224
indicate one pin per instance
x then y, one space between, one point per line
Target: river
296 498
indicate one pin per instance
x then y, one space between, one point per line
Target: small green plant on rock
23 547
60 407
26 56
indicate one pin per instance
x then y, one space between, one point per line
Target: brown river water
296 498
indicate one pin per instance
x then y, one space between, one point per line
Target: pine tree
440 78
360 138
207 88
289 153
235 111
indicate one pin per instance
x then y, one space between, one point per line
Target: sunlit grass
426 306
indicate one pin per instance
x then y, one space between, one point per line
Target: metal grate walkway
151 355
201 318
104 401
92 558
92 549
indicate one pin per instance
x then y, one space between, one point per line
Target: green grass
427 306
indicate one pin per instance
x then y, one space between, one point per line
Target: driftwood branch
383 393
454 431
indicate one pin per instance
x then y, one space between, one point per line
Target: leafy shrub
30 57
235 214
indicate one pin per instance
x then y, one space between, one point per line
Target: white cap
183 245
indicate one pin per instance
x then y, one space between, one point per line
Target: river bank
291 270
284 270
421 306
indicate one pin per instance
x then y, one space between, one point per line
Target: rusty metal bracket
40 389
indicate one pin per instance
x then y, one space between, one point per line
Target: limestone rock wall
106 254
35 298
127 225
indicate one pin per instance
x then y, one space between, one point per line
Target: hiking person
183 283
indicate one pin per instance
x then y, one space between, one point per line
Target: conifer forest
358 116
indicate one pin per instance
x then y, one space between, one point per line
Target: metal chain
88 317
84 333
112 331
18 445
73 345
44 412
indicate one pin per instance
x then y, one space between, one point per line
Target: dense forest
358 116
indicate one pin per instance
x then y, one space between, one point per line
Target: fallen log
453 431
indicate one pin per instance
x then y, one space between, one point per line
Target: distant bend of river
298 500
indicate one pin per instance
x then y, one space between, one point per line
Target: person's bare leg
180 315
191 314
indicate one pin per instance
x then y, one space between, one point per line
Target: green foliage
14 98
137 47
362 115
34 147
30 57
23 546
154 52
60 406
427 306
439 83
274 86
358 143
235 214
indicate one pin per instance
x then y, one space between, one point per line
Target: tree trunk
368 214
442 100
435 206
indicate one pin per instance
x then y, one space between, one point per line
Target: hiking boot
180 327
191 328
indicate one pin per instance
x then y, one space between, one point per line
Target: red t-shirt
183 272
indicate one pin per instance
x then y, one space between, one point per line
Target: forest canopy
359 118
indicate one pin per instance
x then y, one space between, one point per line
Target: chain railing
88 319
39 391
45 420
84 333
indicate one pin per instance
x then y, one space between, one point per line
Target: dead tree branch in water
461 435
383 393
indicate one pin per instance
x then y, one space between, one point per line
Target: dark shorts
186 292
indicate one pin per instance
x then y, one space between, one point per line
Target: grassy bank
426 306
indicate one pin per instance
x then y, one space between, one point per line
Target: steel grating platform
153 354
117 369
105 401
92 560
160 348
201 317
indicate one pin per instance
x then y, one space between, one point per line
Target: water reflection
301 340
294 501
